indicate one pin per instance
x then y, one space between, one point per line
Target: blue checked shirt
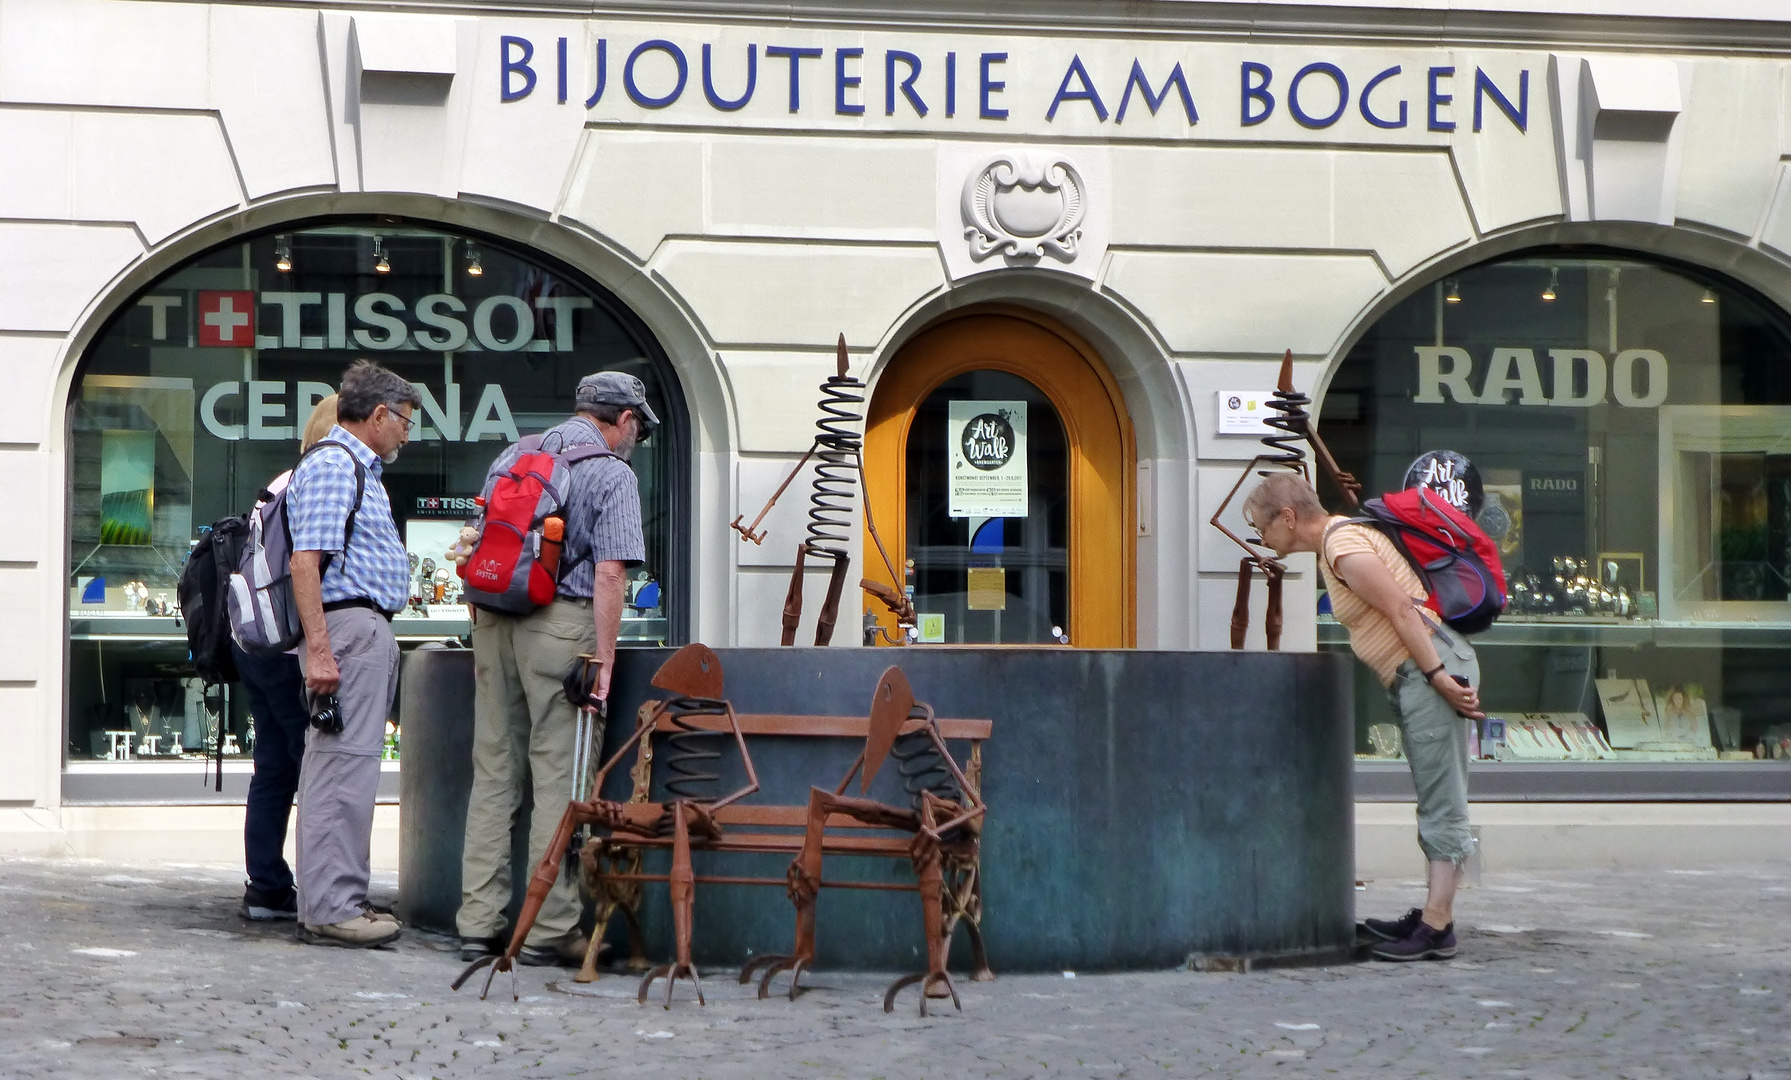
374 565
603 508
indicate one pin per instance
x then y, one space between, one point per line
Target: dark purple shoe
1394 929
1422 943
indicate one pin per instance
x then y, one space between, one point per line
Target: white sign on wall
1242 412
987 454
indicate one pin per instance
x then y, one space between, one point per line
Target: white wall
139 133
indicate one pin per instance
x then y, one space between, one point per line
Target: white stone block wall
137 134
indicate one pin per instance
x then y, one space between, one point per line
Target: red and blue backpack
1457 562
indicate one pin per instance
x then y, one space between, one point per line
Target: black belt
358 602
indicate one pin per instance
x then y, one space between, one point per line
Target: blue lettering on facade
1136 80
602 73
796 57
903 70
843 82
1519 116
1368 113
1088 93
635 94
519 65
907 84
1437 98
1257 91
1300 115
752 80
951 85
991 86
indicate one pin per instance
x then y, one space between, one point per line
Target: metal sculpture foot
497 964
671 973
791 964
929 981
757 962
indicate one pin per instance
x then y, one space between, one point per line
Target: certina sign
1578 378
921 80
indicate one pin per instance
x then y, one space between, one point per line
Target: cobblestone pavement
117 971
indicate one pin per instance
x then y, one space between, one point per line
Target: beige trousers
523 730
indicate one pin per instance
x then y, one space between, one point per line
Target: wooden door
1098 462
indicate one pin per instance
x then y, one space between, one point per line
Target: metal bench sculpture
693 677
944 821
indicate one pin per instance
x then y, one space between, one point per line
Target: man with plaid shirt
350 574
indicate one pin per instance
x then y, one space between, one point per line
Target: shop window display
1630 424
195 395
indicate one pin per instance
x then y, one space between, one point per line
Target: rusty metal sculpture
693 677
1293 425
945 821
840 445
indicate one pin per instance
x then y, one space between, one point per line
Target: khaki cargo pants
523 729
1436 748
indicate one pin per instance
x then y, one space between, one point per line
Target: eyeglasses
410 422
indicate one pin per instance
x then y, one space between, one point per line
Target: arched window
195 394
1630 421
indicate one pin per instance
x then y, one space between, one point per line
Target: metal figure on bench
694 678
841 446
945 819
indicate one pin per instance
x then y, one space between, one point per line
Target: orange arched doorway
1071 561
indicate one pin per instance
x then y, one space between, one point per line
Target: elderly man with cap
523 726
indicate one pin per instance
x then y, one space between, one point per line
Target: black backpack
203 591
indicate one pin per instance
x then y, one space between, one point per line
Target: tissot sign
638 72
377 321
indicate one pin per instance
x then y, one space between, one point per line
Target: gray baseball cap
616 388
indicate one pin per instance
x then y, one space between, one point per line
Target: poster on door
988 458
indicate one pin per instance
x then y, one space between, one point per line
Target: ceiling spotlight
380 263
282 255
1554 278
474 267
1453 296
1709 297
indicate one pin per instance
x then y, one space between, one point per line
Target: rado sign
1576 378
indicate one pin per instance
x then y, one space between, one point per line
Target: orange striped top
1371 634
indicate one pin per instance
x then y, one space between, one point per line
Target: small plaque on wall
986 588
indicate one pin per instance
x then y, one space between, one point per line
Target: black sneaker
567 952
1394 929
477 948
258 906
1423 943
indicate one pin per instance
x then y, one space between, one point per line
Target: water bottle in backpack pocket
516 562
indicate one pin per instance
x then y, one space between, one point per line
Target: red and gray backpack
516 562
1457 562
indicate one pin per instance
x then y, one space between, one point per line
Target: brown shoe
360 932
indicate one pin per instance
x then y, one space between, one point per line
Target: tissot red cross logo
227 318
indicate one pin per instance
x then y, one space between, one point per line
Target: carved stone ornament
1024 207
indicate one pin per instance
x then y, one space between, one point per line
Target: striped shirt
603 508
1371 634
371 564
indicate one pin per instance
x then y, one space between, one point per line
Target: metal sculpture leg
926 857
963 900
1240 610
804 878
683 890
547 872
830 610
793 598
